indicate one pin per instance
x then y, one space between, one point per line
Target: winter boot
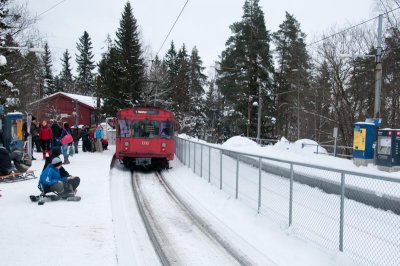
44 154
66 161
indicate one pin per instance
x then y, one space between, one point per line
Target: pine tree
34 78
130 56
66 81
110 71
49 87
181 95
4 25
245 67
197 81
58 84
292 78
85 65
11 74
6 88
172 66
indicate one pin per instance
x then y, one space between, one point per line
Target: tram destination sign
147 112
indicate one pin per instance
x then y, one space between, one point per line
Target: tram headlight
163 144
126 144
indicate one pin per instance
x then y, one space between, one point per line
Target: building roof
87 100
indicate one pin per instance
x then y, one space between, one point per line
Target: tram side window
124 128
145 129
166 130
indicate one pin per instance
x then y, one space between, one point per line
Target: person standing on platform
98 135
76 135
45 136
35 135
56 130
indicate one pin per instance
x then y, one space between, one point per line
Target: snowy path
183 242
59 233
132 243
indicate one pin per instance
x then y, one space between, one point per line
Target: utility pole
298 113
259 114
378 70
248 116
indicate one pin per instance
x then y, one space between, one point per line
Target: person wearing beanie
73 181
51 180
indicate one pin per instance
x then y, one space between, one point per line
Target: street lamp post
259 104
378 71
298 106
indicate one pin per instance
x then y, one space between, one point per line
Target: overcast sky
203 23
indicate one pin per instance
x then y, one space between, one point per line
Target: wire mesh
371 212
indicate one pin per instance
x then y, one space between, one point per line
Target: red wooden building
66 107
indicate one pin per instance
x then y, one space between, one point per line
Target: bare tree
347 99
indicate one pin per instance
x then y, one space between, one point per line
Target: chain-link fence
357 213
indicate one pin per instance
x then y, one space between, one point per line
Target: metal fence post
209 164
201 161
179 148
189 154
220 169
184 152
259 185
194 157
237 175
342 184
291 195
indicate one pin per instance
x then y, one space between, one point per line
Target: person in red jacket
45 136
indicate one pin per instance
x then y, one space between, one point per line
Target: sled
46 196
18 176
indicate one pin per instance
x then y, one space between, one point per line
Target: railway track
179 236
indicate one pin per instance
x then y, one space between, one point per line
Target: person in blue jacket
98 135
51 180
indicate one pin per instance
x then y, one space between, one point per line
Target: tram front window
145 129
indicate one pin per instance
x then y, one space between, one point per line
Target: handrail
320 167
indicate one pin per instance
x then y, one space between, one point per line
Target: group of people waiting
53 141
44 137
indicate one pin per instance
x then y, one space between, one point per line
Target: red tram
145 137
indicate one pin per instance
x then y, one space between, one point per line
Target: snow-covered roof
87 100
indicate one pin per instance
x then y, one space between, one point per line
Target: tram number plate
145 143
143 161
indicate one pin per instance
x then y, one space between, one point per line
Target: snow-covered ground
105 229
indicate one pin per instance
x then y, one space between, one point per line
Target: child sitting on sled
73 181
51 180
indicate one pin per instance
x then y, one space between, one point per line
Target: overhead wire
180 13
352 27
52 7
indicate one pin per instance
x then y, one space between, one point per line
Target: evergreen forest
289 84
